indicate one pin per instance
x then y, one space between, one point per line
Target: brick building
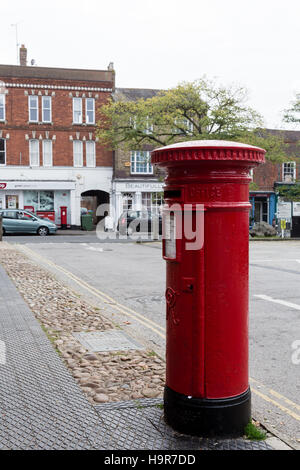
49 154
266 205
136 183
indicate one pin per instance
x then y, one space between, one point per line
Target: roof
289 136
134 94
17 71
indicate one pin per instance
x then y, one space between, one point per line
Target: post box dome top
206 150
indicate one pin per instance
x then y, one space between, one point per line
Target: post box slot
172 194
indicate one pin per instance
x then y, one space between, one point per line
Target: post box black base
226 417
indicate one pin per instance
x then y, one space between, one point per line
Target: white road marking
278 301
2 353
89 247
277 260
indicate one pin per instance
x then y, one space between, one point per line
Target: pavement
42 406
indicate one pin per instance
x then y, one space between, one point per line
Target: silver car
21 221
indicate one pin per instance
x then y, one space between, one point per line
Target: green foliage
253 433
192 111
293 113
253 186
289 192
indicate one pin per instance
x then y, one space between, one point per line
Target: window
90 154
77 110
34 154
152 201
46 109
2 152
289 171
149 127
127 201
183 126
47 152
46 200
140 162
39 200
77 153
33 108
90 111
2 107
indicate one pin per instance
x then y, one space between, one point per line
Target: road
127 280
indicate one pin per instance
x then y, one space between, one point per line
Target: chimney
23 56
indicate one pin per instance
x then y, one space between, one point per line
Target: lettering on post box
198 192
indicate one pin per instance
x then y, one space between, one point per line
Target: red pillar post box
63 216
207 192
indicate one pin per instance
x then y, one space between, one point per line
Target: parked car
132 221
22 221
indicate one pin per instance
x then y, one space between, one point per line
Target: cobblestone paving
103 377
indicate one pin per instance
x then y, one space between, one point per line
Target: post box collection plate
207 388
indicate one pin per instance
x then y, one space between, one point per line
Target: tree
293 113
289 192
192 111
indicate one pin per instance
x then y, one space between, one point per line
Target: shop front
44 198
136 195
263 207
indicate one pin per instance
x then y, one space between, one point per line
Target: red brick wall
265 175
17 125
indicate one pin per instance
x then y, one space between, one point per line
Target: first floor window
2 152
33 108
90 111
47 152
289 171
140 162
46 108
77 153
90 154
34 155
2 107
77 110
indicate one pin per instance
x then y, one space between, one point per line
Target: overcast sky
159 43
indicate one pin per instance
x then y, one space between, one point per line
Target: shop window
39 200
2 107
289 171
2 152
31 200
33 104
90 111
127 201
12 201
152 201
46 200
140 162
46 109
90 154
